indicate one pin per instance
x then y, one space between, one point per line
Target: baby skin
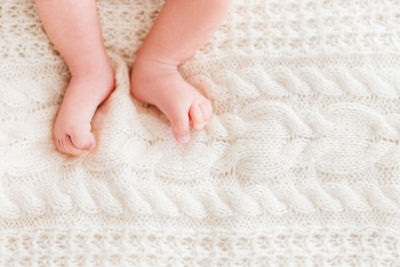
181 28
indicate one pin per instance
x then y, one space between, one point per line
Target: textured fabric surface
299 165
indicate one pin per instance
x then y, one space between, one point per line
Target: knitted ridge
198 202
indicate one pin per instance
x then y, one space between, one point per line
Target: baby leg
181 28
74 29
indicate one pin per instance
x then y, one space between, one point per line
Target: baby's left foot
162 85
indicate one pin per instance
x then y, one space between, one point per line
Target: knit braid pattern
299 165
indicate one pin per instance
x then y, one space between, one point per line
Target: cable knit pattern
299 165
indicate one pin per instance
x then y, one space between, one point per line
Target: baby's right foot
72 129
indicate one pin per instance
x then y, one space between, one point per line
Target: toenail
183 138
204 124
200 126
91 147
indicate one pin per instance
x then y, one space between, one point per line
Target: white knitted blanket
299 166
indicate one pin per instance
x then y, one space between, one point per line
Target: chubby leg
74 29
181 28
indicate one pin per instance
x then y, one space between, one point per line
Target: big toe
83 139
180 127
200 113
70 148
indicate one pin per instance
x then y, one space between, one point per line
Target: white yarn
299 165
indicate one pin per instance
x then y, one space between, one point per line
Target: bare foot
72 129
162 85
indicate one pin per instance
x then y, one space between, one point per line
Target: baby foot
162 85
72 129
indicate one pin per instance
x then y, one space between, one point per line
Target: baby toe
69 148
196 115
82 139
206 108
180 128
